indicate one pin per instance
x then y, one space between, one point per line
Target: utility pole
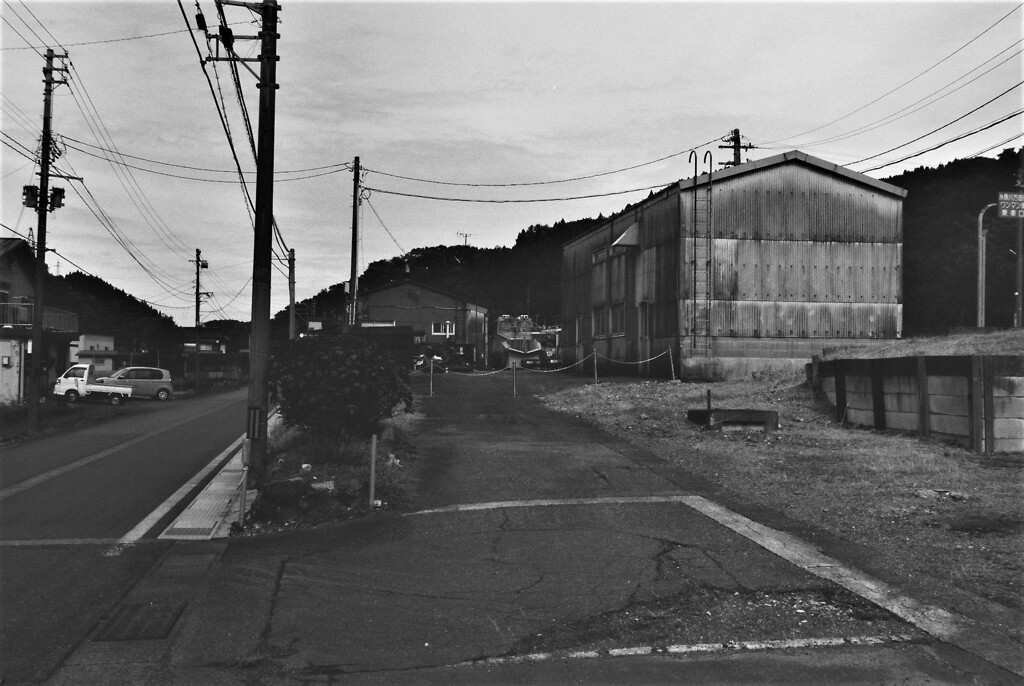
354 278
44 205
1018 319
259 344
291 294
200 264
465 237
733 140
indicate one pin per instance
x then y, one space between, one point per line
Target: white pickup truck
79 382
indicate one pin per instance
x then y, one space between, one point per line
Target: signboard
1011 205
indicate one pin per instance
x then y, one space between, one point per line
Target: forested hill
104 309
939 256
940 239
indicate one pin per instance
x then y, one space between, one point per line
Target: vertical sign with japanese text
1011 205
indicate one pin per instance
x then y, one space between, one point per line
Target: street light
981 265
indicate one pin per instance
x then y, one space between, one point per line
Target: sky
499 116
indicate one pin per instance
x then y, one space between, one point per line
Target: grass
1010 342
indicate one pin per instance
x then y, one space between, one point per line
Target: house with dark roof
757 266
17 296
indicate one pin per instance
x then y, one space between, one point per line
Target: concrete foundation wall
976 401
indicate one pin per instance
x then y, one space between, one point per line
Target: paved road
66 500
538 549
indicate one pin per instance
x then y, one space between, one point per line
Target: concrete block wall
977 401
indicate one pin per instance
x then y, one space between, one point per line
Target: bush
336 387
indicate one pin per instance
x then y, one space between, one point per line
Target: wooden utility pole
354 278
736 145
259 344
43 207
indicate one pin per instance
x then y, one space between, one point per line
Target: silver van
146 382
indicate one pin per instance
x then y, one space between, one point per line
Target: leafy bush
337 386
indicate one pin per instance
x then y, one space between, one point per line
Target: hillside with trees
940 243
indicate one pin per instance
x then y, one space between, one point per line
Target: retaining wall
977 401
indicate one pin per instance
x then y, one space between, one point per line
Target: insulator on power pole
30 196
56 198
201 22
227 37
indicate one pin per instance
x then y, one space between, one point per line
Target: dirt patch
932 510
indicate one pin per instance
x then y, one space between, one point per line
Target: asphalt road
65 502
537 550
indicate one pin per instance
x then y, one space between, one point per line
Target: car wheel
163 394
116 399
71 396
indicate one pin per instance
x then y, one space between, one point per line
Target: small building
440 322
17 295
754 267
96 350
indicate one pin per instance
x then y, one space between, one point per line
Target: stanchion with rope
671 363
593 351
514 365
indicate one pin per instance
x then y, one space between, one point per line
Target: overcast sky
464 93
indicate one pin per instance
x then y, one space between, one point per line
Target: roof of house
417 284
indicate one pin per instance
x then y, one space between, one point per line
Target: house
755 267
96 350
439 321
17 291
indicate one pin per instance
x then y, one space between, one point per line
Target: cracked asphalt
537 549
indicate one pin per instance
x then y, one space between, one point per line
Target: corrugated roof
795 156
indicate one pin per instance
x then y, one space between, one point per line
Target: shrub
336 386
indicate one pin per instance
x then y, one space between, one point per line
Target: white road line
156 515
22 486
698 648
936 621
43 542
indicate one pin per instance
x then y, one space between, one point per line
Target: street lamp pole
981 265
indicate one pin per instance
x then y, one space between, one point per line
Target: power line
524 200
947 142
541 183
905 83
961 117
386 229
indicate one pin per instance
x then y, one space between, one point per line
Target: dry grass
1010 342
931 509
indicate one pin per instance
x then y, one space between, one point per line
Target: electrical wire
542 183
524 200
998 145
402 250
960 118
905 83
947 142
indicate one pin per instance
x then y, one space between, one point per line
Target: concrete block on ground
950 424
900 402
1010 406
1005 427
903 421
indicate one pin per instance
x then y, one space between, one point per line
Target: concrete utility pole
200 264
981 264
733 140
291 294
354 279
44 205
259 344
1018 320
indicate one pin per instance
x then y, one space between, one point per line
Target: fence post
671 363
431 376
593 351
514 365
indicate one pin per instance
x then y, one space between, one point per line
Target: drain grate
140 622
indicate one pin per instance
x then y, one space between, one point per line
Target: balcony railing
19 316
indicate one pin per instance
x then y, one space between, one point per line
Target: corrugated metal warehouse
756 266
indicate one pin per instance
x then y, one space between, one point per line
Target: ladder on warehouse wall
700 266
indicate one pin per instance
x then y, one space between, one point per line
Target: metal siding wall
803 320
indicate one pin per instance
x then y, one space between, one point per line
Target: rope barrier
640 362
559 369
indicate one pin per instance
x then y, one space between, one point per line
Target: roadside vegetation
335 394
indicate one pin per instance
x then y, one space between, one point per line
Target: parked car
146 382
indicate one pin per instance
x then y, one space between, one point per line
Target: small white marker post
514 365
373 468
431 376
